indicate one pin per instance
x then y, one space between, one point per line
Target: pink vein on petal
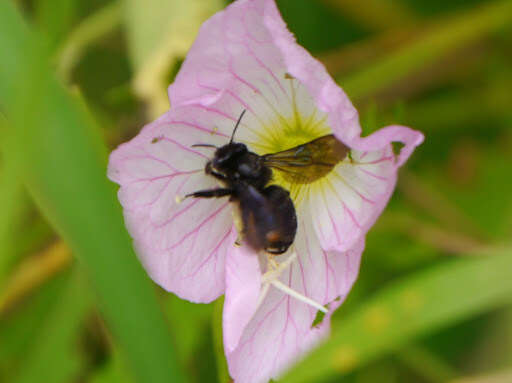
245 82
351 214
383 159
374 175
331 218
215 111
219 244
210 217
189 206
345 208
196 126
149 156
363 197
267 69
151 179
183 147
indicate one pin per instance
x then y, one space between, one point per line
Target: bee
268 216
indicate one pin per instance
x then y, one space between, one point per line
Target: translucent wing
310 161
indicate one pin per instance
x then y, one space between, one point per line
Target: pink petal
182 245
243 282
352 197
281 330
358 189
235 64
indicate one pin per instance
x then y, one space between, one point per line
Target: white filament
271 278
281 286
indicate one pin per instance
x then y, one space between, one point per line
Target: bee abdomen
269 219
279 239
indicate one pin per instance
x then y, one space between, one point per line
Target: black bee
267 212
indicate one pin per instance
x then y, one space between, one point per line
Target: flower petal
281 330
243 282
182 245
235 64
352 196
328 96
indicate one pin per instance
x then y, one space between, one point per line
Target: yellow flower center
303 153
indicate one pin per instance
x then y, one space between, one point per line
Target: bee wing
310 160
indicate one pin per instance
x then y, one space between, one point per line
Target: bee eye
218 162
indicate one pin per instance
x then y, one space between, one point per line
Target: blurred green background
433 302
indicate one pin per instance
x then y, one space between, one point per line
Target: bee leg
238 240
208 170
211 193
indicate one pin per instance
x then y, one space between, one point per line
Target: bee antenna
203 146
236 126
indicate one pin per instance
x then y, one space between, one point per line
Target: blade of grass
94 27
10 198
188 333
53 357
409 308
65 170
222 364
426 364
496 377
374 14
33 272
55 18
114 371
21 326
437 42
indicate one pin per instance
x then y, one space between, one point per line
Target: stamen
179 199
263 294
281 286
277 268
271 278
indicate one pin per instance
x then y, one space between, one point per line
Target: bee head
227 155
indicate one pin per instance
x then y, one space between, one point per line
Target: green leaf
159 33
64 162
409 308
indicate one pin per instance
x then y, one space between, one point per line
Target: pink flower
244 58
